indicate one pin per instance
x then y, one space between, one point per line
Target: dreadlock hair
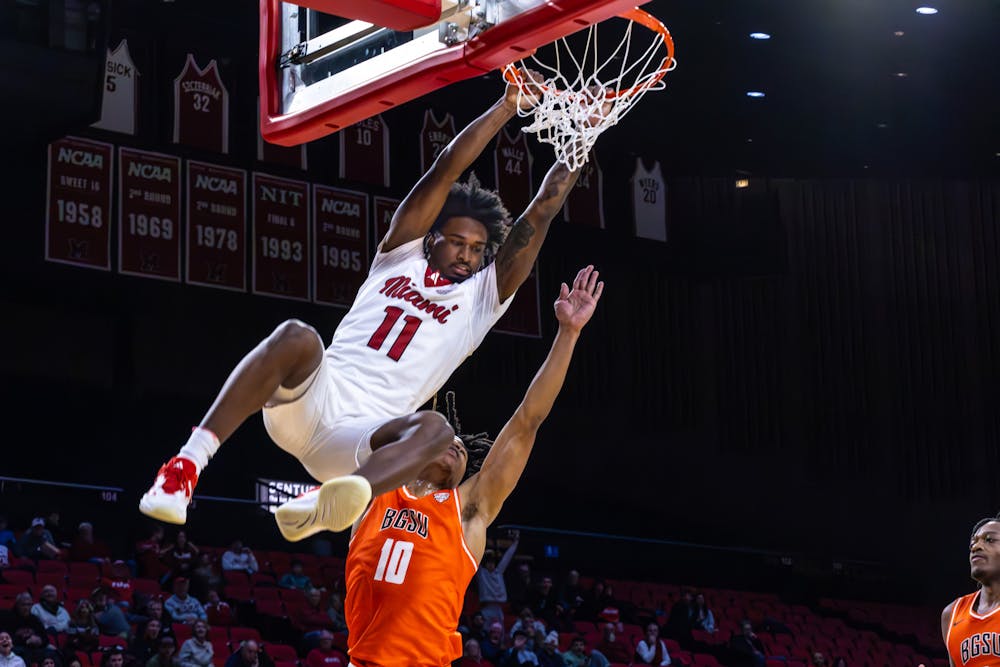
983 522
477 445
471 200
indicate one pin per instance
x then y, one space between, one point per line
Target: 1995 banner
78 207
340 233
280 237
149 213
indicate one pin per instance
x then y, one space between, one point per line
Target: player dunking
432 294
416 549
970 625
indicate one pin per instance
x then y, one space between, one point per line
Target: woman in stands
970 625
182 555
701 616
82 632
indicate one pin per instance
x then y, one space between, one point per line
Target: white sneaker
334 506
167 500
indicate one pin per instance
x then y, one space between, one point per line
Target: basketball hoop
584 95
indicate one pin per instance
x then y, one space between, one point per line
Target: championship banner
216 226
280 237
524 317
340 232
385 208
149 212
78 203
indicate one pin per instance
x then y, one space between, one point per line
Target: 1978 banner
78 207
280 237
216 226
149 213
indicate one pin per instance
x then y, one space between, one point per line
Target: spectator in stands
520 652
6 535
119 584
519 585
82 631
548 655
747 647
492 588
86 548
562 619
239 558
839 662
472 655
62 536
110 617
679 623
181 555
218 611
818 659
613 646
592 604
165 654
325 655
37 543
335 610
530 626
204 576
146 642
542 599
149 555
701 616
4 557
577 656
113 658
7 656
50 611
571 594
25 628
183 607
651 650
249 655
493 647
154 609
295 579
196 651
476 629
311 617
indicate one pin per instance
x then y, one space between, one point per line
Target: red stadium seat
50 579
182 632
146 586
18 578
285 663
706 660
108 641
235 578
261 594
83 658
97 658
262 579
281 653
83 570
237 593
583 627
219 634
240 634
270 608
51 567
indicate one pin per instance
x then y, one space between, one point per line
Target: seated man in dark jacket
748 651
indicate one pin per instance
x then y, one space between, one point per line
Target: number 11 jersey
407 331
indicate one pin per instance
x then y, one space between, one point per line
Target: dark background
810 365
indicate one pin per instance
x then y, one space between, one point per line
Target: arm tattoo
519 236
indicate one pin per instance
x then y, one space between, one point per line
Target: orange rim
644 19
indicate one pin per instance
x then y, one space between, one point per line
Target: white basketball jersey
649 202
120 103
407 332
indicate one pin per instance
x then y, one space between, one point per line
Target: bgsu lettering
982 643
407 519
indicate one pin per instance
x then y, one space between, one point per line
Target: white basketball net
578 103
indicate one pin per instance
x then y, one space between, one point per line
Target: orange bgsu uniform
407 570
973 639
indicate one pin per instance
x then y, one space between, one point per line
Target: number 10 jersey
407 332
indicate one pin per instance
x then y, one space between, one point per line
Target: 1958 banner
216 226
280 237
78 207
340 232
149 213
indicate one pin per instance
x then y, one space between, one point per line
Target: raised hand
527 91
575 308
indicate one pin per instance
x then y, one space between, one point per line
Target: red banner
216 226
385 208
280 237
524 317
149 213
340 231
78 208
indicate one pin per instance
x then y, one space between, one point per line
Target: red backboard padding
395 14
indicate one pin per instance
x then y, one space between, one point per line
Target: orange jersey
407 570
973 639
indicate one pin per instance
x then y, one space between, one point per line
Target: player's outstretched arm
485 492
416 214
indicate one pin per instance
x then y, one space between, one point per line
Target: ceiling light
927 10
755 93
759 35
900 75
742 183
899 33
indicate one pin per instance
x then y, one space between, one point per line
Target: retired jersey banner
149 212
216 226
340 234
280 237
524 317
385 208
78 203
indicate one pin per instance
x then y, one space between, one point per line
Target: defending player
970 625
432 293
414 552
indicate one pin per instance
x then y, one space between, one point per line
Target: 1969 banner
340 233
216 226
149 213
78 210
280 237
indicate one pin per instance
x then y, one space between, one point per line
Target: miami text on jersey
401 288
